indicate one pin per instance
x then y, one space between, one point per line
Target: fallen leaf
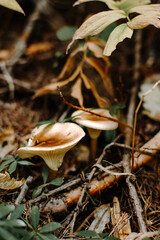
7 183
39 47
102 217
120 221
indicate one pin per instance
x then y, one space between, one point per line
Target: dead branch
96 186
128 136
23 190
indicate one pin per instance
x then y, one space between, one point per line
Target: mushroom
95 125
51 142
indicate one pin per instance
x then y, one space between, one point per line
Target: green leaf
103 235
8 158
110 135
25 163
38 191
45 122
11 4
12 223
46 236
146 238
87 233
6 235
17 212
111 238
5 210
45 172
50 227
35 217
26 235
56 181
115 110
66 33
7 162
107 31
12 167
118 35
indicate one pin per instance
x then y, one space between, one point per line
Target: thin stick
24 190
128 136
93 113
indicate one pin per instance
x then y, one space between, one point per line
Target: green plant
43 233
12 163
89 234
55 182
11 4
124 9
13 226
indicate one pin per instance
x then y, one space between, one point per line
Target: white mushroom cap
51 142
95 124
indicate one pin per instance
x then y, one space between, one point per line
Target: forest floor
31 56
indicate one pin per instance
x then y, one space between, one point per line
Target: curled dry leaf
39 47
79 69
149 15
7 183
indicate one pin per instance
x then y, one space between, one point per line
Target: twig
145 151
23 190
96 186
110 172
8 78
85 186
55 191
141 236
128 136
18 82
89 111
21 44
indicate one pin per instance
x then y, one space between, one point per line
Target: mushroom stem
93 149
94 134
52 174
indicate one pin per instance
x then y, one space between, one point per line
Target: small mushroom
51 142
95 125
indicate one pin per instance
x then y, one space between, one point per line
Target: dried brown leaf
39 47
76 91
51 88
7 183
102 69
101 101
